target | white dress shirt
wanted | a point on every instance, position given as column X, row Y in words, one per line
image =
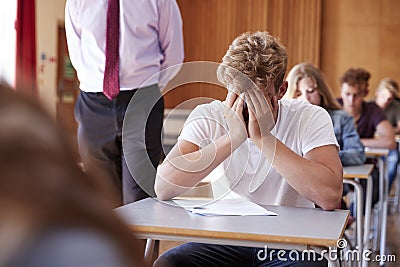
column 150, row 41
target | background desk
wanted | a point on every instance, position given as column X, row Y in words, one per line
column 381, row 154
column 350, row 175
column 293, row 228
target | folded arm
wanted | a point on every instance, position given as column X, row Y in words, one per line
column 383, row 138
column 318, row 175
column 187, row 164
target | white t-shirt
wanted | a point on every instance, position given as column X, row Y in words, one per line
column 300, row 126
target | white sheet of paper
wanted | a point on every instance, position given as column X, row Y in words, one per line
column 225, row 207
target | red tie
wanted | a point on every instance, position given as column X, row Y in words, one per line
column 111, row 71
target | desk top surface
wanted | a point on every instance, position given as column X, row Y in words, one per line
column 376, row 151
column 306, row 226
column 358, row 171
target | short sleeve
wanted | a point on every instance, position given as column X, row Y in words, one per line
column 318, row 131
column 204, row 124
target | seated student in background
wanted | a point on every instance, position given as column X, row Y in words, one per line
column 307, row 83
column 52, row 214
column 386, row 98
column 285, row 155
column 372, row 126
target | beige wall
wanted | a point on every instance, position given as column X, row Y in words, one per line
column 209, row 26
column 360, row 33
column 353, row 33
column 333, row 34
column 49, row 13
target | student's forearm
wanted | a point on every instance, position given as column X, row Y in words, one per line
column 379, row 142
column 312, row 179
column 178, row 174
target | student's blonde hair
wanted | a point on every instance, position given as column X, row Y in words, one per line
column 259, row 56
column 390, row 85
column 303, row 70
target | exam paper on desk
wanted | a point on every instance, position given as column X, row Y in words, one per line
column 225, row 207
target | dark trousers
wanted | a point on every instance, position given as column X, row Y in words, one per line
column 209, row 255
column 122, row 139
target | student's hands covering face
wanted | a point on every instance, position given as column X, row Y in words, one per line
column 263, row 109
column 234, row 118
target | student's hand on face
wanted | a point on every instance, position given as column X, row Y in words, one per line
column 230, row 98
column 263, row 108
column 234, row 118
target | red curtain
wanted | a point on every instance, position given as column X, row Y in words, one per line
column 26, row 47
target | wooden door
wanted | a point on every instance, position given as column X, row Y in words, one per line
column 67, row 89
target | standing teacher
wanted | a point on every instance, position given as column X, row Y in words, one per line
column 118, row 48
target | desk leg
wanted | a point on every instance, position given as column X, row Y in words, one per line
column 382, row 177
column 384, row 199
column 148, row 253
column 358, row 191
column 379, row 216
column 367, row 218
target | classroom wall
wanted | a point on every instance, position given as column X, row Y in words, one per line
column 360, row 33
column 333, row 34
column 49, row 13
column 209, row 27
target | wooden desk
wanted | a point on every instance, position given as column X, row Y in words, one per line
column 293, row 228
column 350, row 176
column 381, row 154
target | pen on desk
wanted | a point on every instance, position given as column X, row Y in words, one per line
column 199, row 208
